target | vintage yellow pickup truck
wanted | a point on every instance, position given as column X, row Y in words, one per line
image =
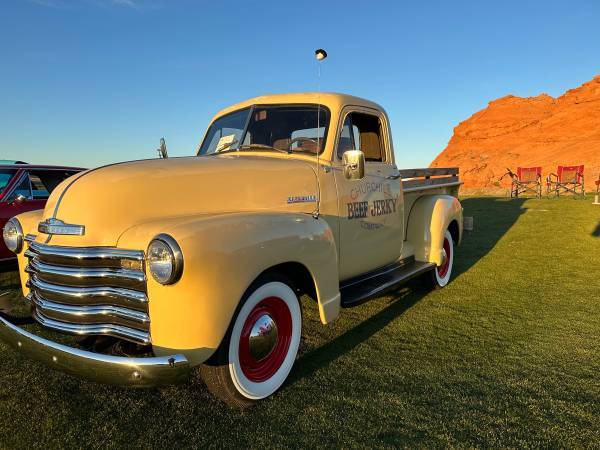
column 161, row 266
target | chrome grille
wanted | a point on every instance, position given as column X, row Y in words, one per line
column 89, row 290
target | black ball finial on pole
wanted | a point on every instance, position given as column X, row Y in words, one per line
column 320, row 54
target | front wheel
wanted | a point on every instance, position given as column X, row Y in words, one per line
column 440, row 276
column 260, row 347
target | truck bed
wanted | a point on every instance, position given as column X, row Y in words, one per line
column 419, row 182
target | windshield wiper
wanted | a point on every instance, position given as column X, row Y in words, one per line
column 224, row 149
column 262, row 147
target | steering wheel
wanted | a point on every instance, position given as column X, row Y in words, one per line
column 301, row 139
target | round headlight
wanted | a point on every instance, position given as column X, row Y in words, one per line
column 13, row 235
column 165, row 260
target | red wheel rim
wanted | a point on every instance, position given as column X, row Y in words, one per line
column 443, row 269
column 263, row 369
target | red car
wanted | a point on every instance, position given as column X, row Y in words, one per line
column 26, row 187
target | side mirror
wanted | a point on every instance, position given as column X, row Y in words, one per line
column 354, row 164
column 20, row 198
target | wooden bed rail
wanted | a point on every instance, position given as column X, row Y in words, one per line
column 413, row 179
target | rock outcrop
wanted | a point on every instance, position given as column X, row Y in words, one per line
column 535, row 131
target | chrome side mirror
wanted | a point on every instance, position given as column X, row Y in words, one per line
column 20, row 198
column 354, row 164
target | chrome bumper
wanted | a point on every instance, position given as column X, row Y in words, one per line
column 137, row 372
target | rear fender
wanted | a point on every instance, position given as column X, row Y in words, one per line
column 430, row 217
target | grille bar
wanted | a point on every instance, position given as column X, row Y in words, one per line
column 87, row 276
column 106, row 329
column 90, row 295
column 90, row 314
column 87, row 254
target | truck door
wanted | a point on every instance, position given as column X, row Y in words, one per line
column 370, row 209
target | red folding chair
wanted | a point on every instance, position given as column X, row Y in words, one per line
column 568, row 179
column 527, row 179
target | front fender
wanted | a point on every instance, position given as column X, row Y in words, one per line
column 429, row 218
column 223, row 255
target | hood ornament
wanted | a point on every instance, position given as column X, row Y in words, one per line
column 162, row 150
column 57, row 226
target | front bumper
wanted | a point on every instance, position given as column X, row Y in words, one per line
column 135, row 372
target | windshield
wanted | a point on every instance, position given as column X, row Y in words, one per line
column 5, row 176
column 284, row 128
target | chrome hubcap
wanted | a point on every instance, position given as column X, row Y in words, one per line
column 444, row 257
column 263, row 337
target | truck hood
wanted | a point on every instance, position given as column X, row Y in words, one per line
column 111, row 199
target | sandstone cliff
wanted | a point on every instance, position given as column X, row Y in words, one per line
column 535, row 131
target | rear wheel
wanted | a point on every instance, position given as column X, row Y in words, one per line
column 440, row 276
column 260, row 347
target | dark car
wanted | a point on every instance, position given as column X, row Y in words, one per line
column 26, row 187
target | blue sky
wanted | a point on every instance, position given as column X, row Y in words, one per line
column 88, row 82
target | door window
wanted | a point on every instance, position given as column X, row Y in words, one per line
column 362, row 132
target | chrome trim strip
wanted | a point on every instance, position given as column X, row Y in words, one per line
column 130, row 334
column 76, row 295
column 89, row 311
column 140, row 372
column 85, row 253
column 89, row 276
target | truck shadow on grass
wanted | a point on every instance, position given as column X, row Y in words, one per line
column 596, row 232
column 493, row 217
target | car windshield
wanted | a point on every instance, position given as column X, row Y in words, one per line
column 5, row 177
column 282, row 128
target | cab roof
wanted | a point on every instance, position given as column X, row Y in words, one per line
column 332, row 100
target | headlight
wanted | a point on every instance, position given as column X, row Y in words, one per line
column 13, row 235
column 165, row 260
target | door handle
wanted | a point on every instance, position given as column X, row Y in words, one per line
column 394, row 176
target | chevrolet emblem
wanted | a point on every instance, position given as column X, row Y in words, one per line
column 56, row 226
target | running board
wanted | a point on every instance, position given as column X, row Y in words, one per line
column 364, row 287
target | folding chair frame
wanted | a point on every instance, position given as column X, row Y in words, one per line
column 519, row 187
column 556, row 185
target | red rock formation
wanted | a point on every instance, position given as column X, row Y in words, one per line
column 535, row 131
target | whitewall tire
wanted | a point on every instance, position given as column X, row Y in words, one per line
column 441, row 274
column 260, row 347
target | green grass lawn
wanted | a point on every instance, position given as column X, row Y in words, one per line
column 507, row 355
